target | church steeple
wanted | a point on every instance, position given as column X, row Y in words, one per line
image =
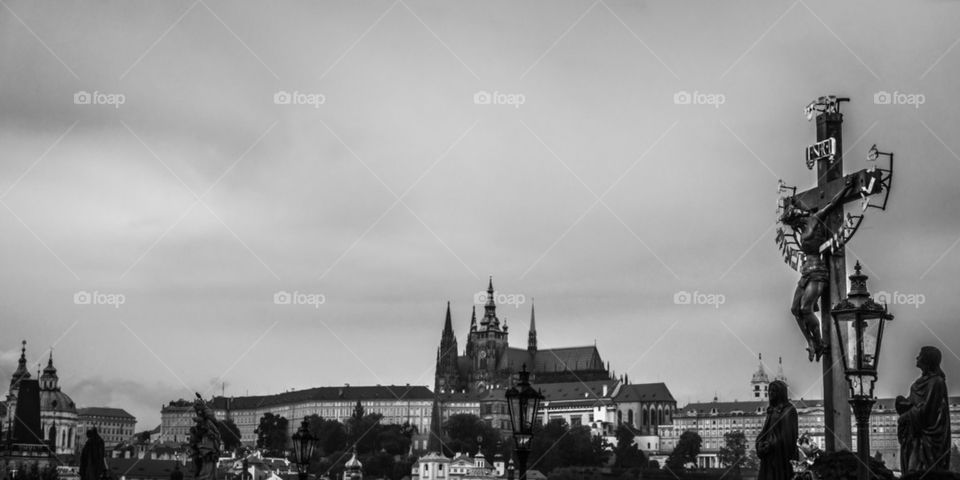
column 780, row 375
column 532, row 336
column 760, row 381
column 473, row 320
column 49, row 380
column 21, row 373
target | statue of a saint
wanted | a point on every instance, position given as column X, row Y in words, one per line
column 924, row 425
column 777, row 442
column 814, row 274
column 204, row 441
column 93, row 457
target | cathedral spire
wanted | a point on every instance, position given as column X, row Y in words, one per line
column 473, row 320
column 448, row 323
column 532, row 336
column 490, row 320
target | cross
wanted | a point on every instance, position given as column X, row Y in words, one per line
column 825, row 204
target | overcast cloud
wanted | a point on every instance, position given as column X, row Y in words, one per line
column 198, row 198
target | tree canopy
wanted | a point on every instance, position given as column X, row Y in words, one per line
column 272, row 434
column 686, row 451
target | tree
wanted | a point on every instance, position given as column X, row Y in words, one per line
column 272, row 434
column 733, row 454
column 393, row 440
column 628, row 454
column 686, row 451
column 579, row 448
column 462, row 431
column 229, row 435
column 331, row 434
column 363, row 431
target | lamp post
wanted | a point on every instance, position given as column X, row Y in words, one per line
column 523, row 403
column 304, row 445
column 858, row 321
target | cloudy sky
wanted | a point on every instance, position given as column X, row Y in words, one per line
column 194, row 159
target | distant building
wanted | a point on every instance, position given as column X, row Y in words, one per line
column 115, row 425
column 58, row 413
column 711, row 420
column 475, row 382
column 399, row 404
column 434, row 466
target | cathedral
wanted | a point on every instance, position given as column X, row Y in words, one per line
column 58, row 413
column 488, row 362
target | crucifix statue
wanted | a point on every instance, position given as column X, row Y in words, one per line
column 814, row 275
column 814, row 231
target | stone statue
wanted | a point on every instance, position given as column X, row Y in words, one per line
column 777, row 442
column 204, row 441
column 814, row 274
column 923, row 428
column 93, row 457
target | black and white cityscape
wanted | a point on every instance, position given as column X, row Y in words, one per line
column 422, row 240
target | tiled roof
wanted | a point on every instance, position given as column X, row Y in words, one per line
column 749, row 408
column 105, row 412
column 590, row 391
column 644, row 392
column 145, row 468
column 556, row 359
column 350, row 393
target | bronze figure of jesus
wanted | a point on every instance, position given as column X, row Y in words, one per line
column 814, row 274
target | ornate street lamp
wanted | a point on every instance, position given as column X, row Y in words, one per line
column 304, row 444
column 523, row 403
column 858, row 321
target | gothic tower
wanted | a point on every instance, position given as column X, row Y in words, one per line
column 487, row 347
column 447, row 374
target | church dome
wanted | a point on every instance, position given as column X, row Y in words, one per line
column 56, row 401
column 353, row 463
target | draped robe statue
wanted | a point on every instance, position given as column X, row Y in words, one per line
column 204, row 442
column 923, row 428
column 777, row 442
column 92, row 457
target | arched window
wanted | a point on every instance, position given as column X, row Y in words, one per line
column 630, row 417
column 52, row 437
column 619, row 417
column 646, row 416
